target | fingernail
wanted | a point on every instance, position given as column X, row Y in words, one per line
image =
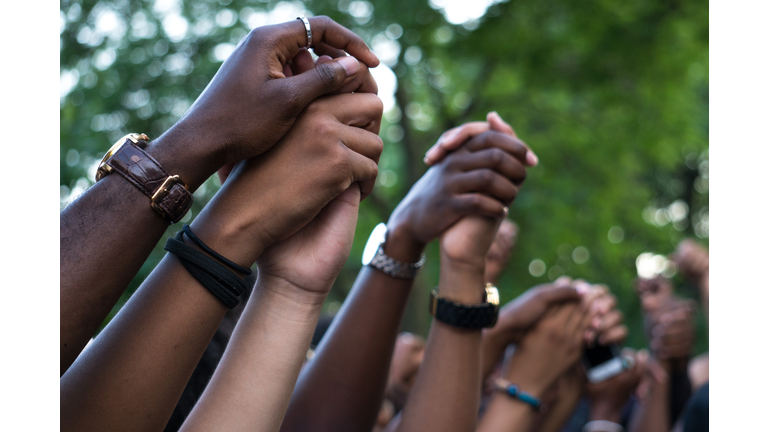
column 428, row 157
column 351, row 65
column 531, row 159
column 506, row 211
column 581, row 289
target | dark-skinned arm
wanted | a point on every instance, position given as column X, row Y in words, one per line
column 446, row 394
column 132, row 375
column 107, row 233
column 342, row 386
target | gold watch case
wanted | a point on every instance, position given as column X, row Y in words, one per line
column 492, row 294
column 105, row 169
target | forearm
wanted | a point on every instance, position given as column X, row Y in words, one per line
column 342, row 386
column 446, row 394
column 492, row 346
column 505, row 414
column 105, row 236
column 556, row 417
column 252, row 385
column 651, row 413
column 132, row 375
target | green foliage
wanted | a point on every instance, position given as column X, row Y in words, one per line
column 612, row 96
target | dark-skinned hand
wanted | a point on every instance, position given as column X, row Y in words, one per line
column 480, row 178
column 552, row 347
column 453, row 138
column 521, row 314
column 332, row 145
column 251, row 103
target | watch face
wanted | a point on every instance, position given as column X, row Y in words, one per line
column 377, row 237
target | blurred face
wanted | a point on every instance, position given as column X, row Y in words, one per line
column 406, row 359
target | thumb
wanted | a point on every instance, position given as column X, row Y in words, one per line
column 339, row 219
column 323, row 79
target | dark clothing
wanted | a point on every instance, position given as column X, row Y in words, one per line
column 696, row 415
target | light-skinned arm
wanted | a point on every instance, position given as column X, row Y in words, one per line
column 248, row 107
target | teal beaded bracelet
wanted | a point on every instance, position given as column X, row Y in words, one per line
column 514, row 392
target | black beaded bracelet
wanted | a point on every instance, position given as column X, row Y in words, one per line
column 219, row 280
column 203, row 246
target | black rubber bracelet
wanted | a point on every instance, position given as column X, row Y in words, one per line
column 203, row 246
column 219, row 280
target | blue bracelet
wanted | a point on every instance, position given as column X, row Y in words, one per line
column 514, row 392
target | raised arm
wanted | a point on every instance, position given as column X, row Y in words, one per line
column 132, row 375
column 253, row 383
column 446, row 395
column 107, row 233
column 342, row 386
column 544, row 353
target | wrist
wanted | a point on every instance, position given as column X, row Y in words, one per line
column 226, row 236
column 461, row 285
column 288, row 295
column 522, row 379
column 188, row 154
column 401, row 244
column 605, row 410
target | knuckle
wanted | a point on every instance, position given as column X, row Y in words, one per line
column 511, row 193
column 325, row 129
column 474, row 203
column 523, row 175
column 325, row 75
column 496, row 157
column 325, row 21
column 378, row 104
column 486, row 178
column 373, row 170
column 378, row 146
column 257, row 35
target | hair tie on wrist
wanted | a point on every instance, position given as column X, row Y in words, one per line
column 514, row 392
column 203, row 246
column 219, row 280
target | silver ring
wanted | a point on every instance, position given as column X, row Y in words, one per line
column 308, row 28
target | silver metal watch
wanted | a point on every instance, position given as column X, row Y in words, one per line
column 374, row 256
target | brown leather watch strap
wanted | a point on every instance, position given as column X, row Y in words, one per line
column 168, row 195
